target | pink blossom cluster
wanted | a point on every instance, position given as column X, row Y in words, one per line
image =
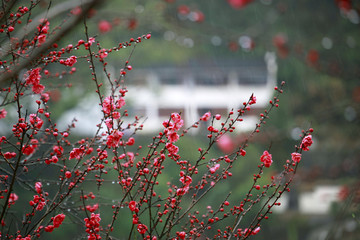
column 266, row 158
column 129, row 156
column 296, row 157
column 36, row 121
column 172, row 126
column 92, row 208
column 205, row 117
column 247, row 232
column 214, row 168
column 34, row 80
column 76, row 153
column 104, row 26
column 13, row 198
column 58, row 150
column 43, row 29
column 306, row 143
column 3, row 113
column 20, row 127
column 69, row 61
column 173, row 150
column 30, row 148
column 86, row 44
column 103, row 53
column 132, row 206
column 126, row 182
column 53, row 159
column 142, row 228
column 57, row 221
column 252, row 100
column 9, row 155
column 19, row 237
column 113, row 139
column 186, row 181
column 109, row 106
column 38, row 187
column 38, row 202
column 92, row 225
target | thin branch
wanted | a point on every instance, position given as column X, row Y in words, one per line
column 66, row 29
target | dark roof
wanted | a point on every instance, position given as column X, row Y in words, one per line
column 211, row 71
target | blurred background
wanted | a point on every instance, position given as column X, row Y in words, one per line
column 212, row 55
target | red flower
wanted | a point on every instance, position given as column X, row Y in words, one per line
column 198, row 16
column 36, row 121
column 132, row 24
column 142, row 228
column 225, row 143
column 103, row 53
column 130, row 141
column 173, row 150
column 30, row 149
column 76, row 11
column 41, row 38
column 3, row 113
column 242, row 152
column 182, row 235
column 266, row 158
column 237, row 4
column 182, row 191
column 69, row 61
column 183, row 10
column 114, row 138
column 92, row 208
column 58, row 150
column 279, row 42
column 58, row 219
column 253, row 100
column 93, row 226
column 38, row 201
column 9, row 155
column 306, row 143
column 132, row 206
column 33, row 79
column 186, row 180
column 172, row 137
column 344, row 5
column 34, row 76
column 68, row 174
column 108, row 105
column 206, row 117
column 247, row 231
column 38, row 88
column 104, row 26
column 13, row 198
column 76, row 153
column 214, row 168
column 49, row 228
column 312, row 57
column 296, row 157
column 38, row 187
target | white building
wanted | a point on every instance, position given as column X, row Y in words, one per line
column 199, row 87
column 319, row 200
column 192, row 89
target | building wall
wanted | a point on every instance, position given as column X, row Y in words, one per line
column 156, row 93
